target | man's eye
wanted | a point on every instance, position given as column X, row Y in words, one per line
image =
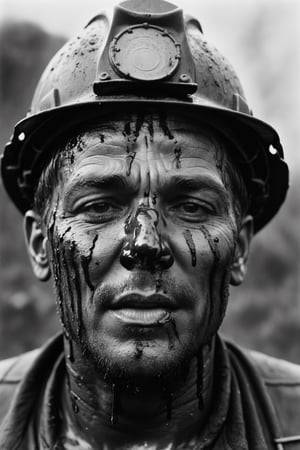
column 100, row 208
column 191, row 207
column 191, row 211
column 100, row 211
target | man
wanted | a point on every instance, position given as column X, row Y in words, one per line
column 142, row 176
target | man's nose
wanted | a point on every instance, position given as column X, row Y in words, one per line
column 145, row 248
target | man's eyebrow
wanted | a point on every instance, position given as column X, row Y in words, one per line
column 195, row 183
column 112, row 182
column 180, row 185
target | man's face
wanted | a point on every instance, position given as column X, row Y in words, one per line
column 142, row 235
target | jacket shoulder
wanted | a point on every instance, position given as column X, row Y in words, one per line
column 276, row 371
column 12, row 372
column 282, row 380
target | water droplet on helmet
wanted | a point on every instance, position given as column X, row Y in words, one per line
column 21, row 137
column 272, row 150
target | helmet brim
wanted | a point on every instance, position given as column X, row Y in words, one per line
column 24, row 156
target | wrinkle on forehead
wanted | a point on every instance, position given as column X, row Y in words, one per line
column 156, row 156
column 153, row 159
column 192, row 146
column 108, row 147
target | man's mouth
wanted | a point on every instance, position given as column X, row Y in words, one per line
column 143, row 310
column 143, row 317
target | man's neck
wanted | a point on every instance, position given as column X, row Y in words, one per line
column 102, row 414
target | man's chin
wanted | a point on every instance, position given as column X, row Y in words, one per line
column 139, row 362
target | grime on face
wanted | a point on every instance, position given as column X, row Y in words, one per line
column 142, row 233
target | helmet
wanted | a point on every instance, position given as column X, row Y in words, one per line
column 149, row 56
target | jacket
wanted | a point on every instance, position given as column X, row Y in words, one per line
column 271, row 382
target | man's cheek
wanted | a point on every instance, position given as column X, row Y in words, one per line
column 221, row 246
column 71, row 260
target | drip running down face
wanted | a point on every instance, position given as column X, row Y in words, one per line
column 143, row 231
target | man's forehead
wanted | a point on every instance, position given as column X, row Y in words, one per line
column 174, row 134
column 171, row 149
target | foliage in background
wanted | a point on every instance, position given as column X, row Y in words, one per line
column 26, row 307
column 263, row 313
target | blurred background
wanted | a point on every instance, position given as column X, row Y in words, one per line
column 261, row 38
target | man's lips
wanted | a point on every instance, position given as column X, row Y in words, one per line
column 142, row 317
column 135, row 300
column 144, row 310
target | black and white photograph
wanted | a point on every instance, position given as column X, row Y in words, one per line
column 150, row 225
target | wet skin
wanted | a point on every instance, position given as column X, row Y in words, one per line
column 142, row 240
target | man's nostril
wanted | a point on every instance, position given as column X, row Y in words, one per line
column 126, row 258
column 166, row 261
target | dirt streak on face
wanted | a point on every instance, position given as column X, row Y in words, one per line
column 66, row 263
column 56, row 270
column 191, row 245
column 85, row 263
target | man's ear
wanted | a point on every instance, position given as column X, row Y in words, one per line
column 36, row 243
column 239, row 264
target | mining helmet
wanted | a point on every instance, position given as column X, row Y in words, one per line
column 149, row 56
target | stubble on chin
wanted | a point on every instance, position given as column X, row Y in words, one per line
column 137, row 370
